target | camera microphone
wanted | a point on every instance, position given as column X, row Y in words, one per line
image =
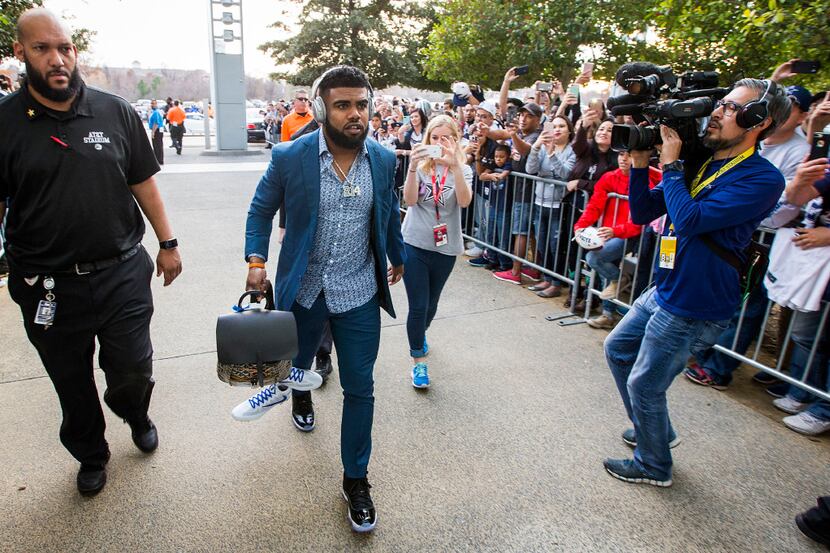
column 625, row 100
column 628, row 109
column 635, row 69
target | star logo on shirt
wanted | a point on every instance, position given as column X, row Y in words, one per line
column 30, row 113
column 430, row 195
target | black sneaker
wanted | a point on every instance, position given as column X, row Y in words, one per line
column 361, row 508
column 302, row 411
column 92, row 477
column 778, row 390
column 323, row 366
column 145, row 435
column 480, row 261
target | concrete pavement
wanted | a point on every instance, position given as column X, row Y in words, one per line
column 503, row 453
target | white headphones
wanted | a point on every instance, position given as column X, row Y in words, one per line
column 318, row 106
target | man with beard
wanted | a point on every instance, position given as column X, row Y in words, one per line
column 78, row 173
column 710, row 222
column 341, row 225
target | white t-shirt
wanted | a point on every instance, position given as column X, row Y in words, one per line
column 787, row 155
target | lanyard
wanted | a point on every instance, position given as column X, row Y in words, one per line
column 437, row 190
column 698, row 186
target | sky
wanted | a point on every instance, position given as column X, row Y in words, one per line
column 171, row 34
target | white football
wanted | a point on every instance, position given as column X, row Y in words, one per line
column 589, row 239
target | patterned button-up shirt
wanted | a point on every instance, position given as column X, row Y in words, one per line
column 341, row 264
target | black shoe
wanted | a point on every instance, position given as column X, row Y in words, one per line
column 323, row 366
column 803, row 521
column 178, row 152
column 302, row 411
column 361, row 508
column 92, row 477
column 145, row 435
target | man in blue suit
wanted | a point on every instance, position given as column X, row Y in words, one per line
column 342, row 224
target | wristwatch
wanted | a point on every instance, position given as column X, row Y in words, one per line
column 169, row 244
column 673, row 166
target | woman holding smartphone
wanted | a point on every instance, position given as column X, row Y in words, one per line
column 551, row 156
column 438, row 185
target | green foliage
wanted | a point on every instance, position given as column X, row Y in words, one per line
column 379, row 36
column 749, row 39
column 477, row 40
column 10, row 10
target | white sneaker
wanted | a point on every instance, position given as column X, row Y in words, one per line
column 789, row 405
column 807, row 423
column 475, row 251
column 260, row 403
column 302, row 380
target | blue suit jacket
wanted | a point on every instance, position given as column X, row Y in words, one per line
column 293, row 178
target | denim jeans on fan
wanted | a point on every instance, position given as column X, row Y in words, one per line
column 498, row 230
column 425, row 273
column 645, row 352
column 606, row 262
column 805, row 326
column 721, row 365
column 546, row 221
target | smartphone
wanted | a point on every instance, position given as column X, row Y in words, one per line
column 821, row 145
column 596, row 104
column 433, row 150
column 522, row 70
column 544, row 87
column 805, row 66
column 406, row 120
column 574, row 89
column 588, row 67
column 548, row 127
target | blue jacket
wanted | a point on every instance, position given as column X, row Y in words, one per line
column 293, row 178
column 702, row 285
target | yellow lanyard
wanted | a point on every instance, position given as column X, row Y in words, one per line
column 698, row 186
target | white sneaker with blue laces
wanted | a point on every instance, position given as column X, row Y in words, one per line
column 302, row 380
column 261, row 402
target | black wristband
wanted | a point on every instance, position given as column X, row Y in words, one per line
column 169, row 244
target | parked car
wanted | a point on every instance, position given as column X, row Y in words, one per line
column 195, row 124
column 254, row 123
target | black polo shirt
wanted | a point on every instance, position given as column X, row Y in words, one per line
column 66, row 178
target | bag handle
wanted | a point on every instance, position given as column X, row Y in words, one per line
column 255, row 294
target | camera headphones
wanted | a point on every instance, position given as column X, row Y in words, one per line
column 318, row 106
column 755, row 112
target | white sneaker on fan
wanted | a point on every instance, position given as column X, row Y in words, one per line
column 261, row 402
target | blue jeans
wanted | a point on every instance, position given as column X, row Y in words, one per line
column 424, row 276
column 498, row 231
column 645, row 352
column 606, row 262
column 720, row 365
column 805, row 326
column 547, row 222
column 521, row 217
column 356, row 336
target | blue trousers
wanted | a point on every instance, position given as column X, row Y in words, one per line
column 425, row 273
column 645, row 352
column 356, row 336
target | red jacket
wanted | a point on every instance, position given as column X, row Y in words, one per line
column 615, row 217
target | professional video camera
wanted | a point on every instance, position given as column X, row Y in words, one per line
column 657, row 97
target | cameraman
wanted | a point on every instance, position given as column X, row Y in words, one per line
column 696, row 291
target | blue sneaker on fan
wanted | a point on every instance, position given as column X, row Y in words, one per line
column 420, row 375
column 260, row 403
column 627, row 471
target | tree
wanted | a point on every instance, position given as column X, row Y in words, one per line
column 747, row 40
column 477, row 40
column 379, row 36
column 10, row 10
column 142, row 88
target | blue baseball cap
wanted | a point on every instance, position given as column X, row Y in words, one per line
column 801, row 96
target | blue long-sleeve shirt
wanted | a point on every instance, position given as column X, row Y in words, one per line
column 702, row 285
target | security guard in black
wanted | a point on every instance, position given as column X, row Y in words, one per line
column 76, row 173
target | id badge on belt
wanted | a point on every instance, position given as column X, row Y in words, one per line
column 45, row 314
column 439, row 233
column 668, row 251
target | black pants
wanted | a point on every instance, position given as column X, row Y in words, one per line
column 158, row 146
column 325, row 342
column 115, row 305
column 176, row 134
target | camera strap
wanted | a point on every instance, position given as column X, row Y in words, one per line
column 697, row 186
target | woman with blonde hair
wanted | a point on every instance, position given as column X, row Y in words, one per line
column 438, row 185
